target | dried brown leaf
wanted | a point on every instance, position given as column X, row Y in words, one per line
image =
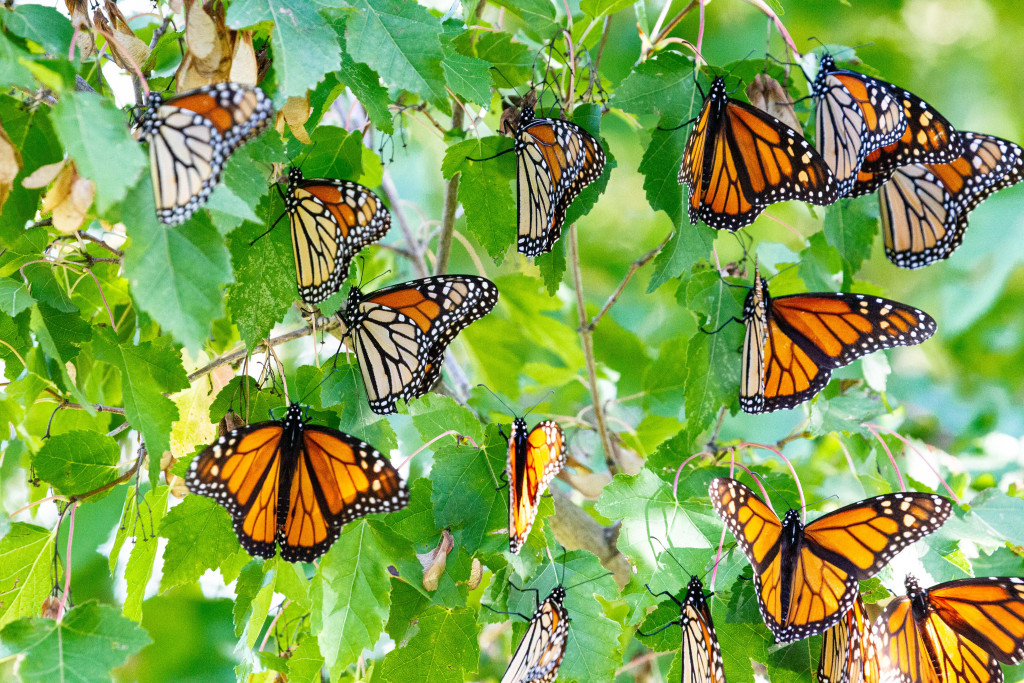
column 765, row 93
column 294, row 114
column 10, row 165
column 243, row 60
column 435, row 561
column 69, row 199
column 44, row 175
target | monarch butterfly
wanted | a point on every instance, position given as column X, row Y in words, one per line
column 542, row 648
column 400, row 333
column 738, row 160
column 924, row 207
column 555, row 160
column 806, row 576
column 928, row 139
column 294, row 484
column 331, row 220
column 793, row 342
column 847, row 651
column 955, row 632
column 701, row 653
column 534, row 458
column 191, row 136
column 854, row 115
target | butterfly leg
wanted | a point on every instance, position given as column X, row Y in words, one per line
column 536, row 592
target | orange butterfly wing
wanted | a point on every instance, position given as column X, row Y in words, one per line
column 739, row 159
column 928, row 139
column 533, row 461
column 540, row 652
column 955, row 632
column 806, row 336
column 843, row 648
column 298, row 497
column 338, row 478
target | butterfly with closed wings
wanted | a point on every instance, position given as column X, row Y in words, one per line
column 793, row 342
column 738, row 160
column 854, row 115
column 191, row 135
column 805, row 575
column 701, row 654
column 399, row 334
column 955, row 632
column 291, row 483
column 848, row 654
column 331, row 220
column 924, row 207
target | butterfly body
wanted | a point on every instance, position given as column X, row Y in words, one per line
column 793, row 343
column 738, row 160
column 331, row 220
column 954, row 632
column 191, row 135
column 555, row 160
column 290, row 483
column 399, row 334
column 542, row 648
column 806, row 575
column 534, row 458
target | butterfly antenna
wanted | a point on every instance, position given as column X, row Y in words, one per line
column 782, row 495
column 590, row 580
column 509, row 409
column 510, row 84
column 542, row 398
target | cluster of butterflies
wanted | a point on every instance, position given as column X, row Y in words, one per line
column 869, row 135
column 806, row 582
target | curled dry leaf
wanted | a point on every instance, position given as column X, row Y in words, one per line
column 294, row 114
column 128, row 52
column 84, row 39
column 476, row 573
column 243, row 60
column 208, row 59
column 436, row 560
column 10, row 165
column 765, row 93
column 68, row 199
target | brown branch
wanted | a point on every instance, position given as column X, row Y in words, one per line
column 418, row 261
column 587, row 339
column 451, row 204
column 636, row 265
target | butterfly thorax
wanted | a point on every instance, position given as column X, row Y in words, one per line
column 349, row 313
column 291, row 445
column 148, row 120
column 756, row 303
column 826, row 66
column 695, row 594
column 557, row 595
column 518, row 442
column 918, row 598
column 295, row 177
column 790, row 541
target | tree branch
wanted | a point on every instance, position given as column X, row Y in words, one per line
column 636, row 265
column 451, row 204
column 587, row 339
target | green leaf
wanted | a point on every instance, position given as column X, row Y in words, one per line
column 344, row 392
column 819, row 263
column 77, row 462
column 305, row 661
column 465, row 494
column 662, row 86
column 26, row 571
column 142, row 558
column 538, row 16
column 484, row 190
column 511, row 60
column 199, row 537
column 90, row 641
column 1000, row 515
column 352, row 594
column 552, row 267
column 303, row 44
column 255, row 590
column 14, row 65
column 264, row 287
column 844, row 414
column 400, row 41
column 850, row 227
column 43, row 25
column 364, row 83
column 444, row 649
column 596, row 9
column 94, row 134
column 148, row 370
column 60, row 334
column 468, row 77
column 176, row 273
column 435, row 414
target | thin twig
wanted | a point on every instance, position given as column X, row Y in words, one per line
column 792, row 470
column 763, row 6
column 635, row 266
column 451, row 204
column 587, row 339
column 403, row 224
